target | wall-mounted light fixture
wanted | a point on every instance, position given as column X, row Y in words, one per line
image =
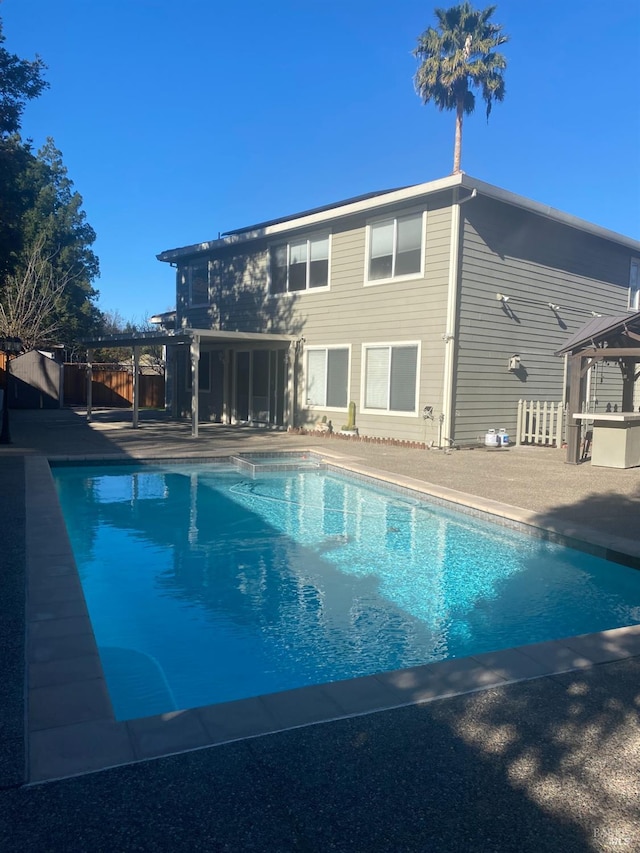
column 501, row 297
column 554, row 307
column 595, row 314
column 514, row 362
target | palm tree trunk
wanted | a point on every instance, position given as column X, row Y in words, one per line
column 457, row 148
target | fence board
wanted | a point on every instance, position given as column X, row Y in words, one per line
column 111, row 388
column 540, row 423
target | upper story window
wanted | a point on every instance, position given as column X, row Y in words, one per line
column 300, row 265
column 197, row 281
column 395, row 248
column 634, row 284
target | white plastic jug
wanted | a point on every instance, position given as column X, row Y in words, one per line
column 492, row 439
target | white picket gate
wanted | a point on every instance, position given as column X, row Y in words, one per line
column 540, row 423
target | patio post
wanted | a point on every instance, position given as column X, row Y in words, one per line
column 136, row 386
column 89, row 382
column 574, row 426
column 291, row 372
column 627, row 367
column 226, row 395
column 195, row 359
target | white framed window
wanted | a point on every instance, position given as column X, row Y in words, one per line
column 634, row 284
column 395, row 248
column 196, row 279
column 300, row 265
column 204, row 372
column 390, row 383
column 327, row 377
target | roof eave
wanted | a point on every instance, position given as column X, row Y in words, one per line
column 320, row 217
column 379, row 202
column 549, row 212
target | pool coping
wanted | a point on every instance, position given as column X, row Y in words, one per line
column 70, row 725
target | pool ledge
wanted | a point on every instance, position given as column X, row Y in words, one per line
column 70, row 725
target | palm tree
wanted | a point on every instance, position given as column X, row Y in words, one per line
column 456, row 56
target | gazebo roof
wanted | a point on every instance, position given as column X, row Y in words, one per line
column 619, row 331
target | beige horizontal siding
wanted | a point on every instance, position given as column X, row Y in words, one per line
column 352, row 313
column 533, row 261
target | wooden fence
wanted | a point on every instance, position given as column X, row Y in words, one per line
column 541, row 423
column 111, row 387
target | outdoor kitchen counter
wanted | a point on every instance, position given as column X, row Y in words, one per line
column 616, row 438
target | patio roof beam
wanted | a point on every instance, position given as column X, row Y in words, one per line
column 610, row 353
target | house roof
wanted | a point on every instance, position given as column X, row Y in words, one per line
column 599, row 330
column 371, row 202
column 364, row 197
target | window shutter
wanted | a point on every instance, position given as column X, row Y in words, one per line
column 316, row 377
column 278, row 269
column 404, row 366
column 298, row 266
column 377, row 378
column 409, row 245
column 337, row 377
column 381, row 260
column 319, row 262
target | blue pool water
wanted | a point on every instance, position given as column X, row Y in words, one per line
column 205, row 585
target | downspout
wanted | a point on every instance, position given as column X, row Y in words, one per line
column 449, row 336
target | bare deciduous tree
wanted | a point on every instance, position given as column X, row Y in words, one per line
column 30, row 297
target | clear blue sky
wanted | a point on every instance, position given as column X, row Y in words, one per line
column 178, row 119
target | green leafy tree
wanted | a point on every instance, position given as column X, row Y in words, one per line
column 15, row 158
column 457, row 56
column 46, row 257
column 56, row 218
column 21, row 80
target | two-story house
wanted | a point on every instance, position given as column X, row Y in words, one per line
column 434, row 308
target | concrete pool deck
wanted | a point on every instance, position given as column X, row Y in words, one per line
column 71, row 730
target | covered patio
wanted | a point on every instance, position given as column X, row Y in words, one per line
column 616, row 433
column 234, row 377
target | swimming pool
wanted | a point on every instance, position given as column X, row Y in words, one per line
column 195, row 575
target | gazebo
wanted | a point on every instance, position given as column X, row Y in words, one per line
column 616, row 435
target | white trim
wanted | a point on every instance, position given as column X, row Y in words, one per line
column 363, row 378
column 326, row 347
column 414, row 276
column 448, row 390
column 309, row 237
